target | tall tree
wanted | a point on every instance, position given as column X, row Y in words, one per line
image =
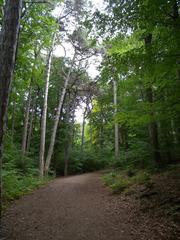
column 44, row 110
column 26, row 123
column 116, row 127
column 153, row 128
column 57, row 116
column 8, row 47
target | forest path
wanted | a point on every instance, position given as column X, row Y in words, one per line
column 73, row 208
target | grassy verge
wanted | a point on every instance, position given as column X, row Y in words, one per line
column 16, row 184
column 118, row 181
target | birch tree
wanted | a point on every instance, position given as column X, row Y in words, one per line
column 33, row 109
column 44, row 111
column 26, row 122
column 57, row 116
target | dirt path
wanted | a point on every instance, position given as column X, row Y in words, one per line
column 74, row 208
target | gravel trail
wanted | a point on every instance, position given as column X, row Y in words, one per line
column 73, row 208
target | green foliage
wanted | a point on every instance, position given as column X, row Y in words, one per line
column 120, row 180
column 82, row 162
column 16, row 184
column 147, row 77
column 18, row 178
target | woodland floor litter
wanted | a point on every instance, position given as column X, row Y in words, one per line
column 79, row 208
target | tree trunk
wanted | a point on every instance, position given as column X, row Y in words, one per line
column 68, row 140
column 31, row 124
column 44, row 111
column 91, row 134
column 69, row 145
column 82, row 133
column 116, row 128
column 13, row 121
column 153, row 128
column 26, row 122
column 8, row 41
column 53, row 136
column 175, row 10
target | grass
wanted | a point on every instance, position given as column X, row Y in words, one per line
column 16, row 184
column 118, row 181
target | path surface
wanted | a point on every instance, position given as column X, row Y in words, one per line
column 73, row 208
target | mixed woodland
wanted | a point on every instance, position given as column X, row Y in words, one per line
column 130, row 109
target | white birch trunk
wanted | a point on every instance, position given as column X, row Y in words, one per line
column 53, row 136
column 26, row 122
column 31, row 124
column 44, row 113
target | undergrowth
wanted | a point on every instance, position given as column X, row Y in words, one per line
column 18, row 180
column 118, row 181
column 16, row 184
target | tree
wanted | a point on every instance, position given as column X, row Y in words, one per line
column 8, row 46
column 57, row 116
column 44, row 110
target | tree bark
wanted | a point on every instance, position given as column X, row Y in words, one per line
column 69, row 145
column 44, row 111
column 82, row 133
column 31, row 124
column 13, row 121
column 8, row 46
column 153, row 128
column 58, row 113
column 68, row 138
column 116, row 127
column 91, row 134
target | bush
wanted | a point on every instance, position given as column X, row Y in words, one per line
column 120, row 180
column 16, row 184
column 120, row 185
column 141, row 178
column 17, row 179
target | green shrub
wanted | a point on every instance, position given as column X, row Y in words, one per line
column 120, row 185
column 109, row 178
column 120, row 180
column 141, row 178
column 16, row 184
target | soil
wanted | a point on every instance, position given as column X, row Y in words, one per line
column 81, row 208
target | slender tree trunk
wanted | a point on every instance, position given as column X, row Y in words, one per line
column 69, row 145
column 44, row 111
column 175, row 10
column 8, row 47
column 13, row 121
column 153, row 128
column 26, row 122
column 68, row 138
column 91, row 134
column 66, row 160
column 53, row 136
column 116, row 128
column 82, row 133
column 73, row 121
column 31, row 124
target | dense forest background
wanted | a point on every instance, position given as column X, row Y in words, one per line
column 131, row 109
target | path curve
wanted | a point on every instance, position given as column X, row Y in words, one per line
column 72, row 208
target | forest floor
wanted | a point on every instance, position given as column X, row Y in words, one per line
column 81, row 208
